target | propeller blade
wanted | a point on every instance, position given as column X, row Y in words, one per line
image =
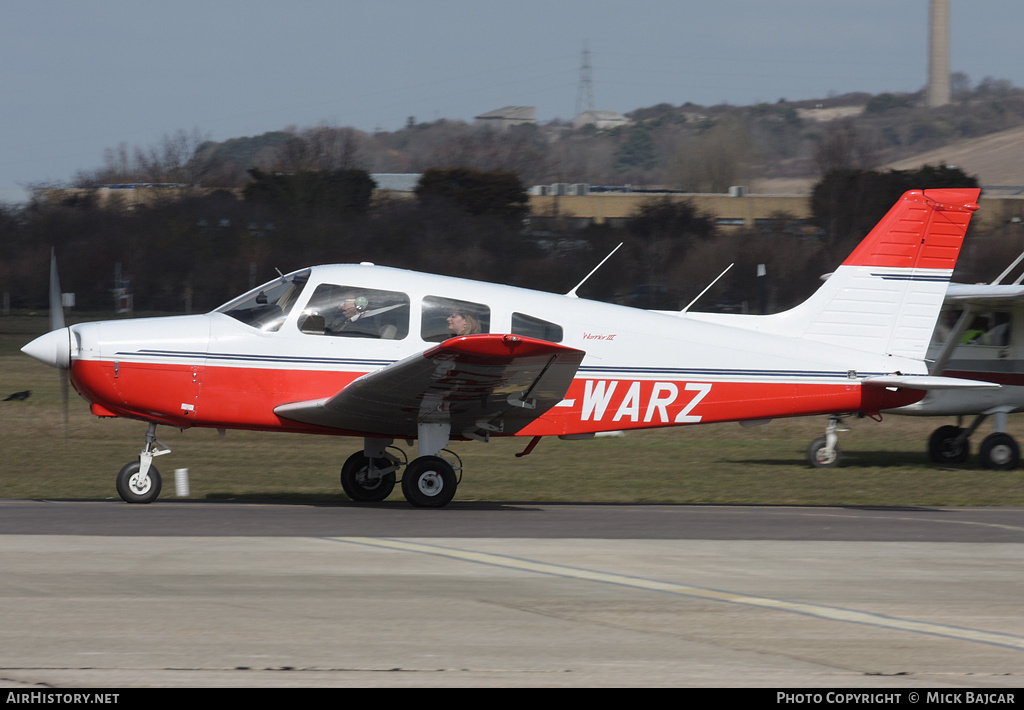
column 56, row 323
column 56, row 309
column 63, row 374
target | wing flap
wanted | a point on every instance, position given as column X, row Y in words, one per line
column 477, row 383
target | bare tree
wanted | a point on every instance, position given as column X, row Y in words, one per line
column 173, row 159
column 711, row 161
column 323, row 148
column 838, row 148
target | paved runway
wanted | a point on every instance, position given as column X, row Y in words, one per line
column 100, row 593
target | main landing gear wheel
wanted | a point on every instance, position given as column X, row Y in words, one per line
column 364, row 485
column 819, row 456
column 946, row 445
column 429, row 482
column 136, row 488
column 999, row 452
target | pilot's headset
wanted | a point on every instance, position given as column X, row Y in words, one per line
column 361, row 303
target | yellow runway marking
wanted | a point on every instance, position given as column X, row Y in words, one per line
column 815, row 610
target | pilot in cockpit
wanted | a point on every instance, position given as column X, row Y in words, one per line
column 354, row 321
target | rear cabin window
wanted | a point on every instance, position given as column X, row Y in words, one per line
column 355, row 312
column 444, row 318
column 531, row 327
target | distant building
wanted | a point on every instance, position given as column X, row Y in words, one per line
column 603, row 120
column 509, row 116
column 396, row 182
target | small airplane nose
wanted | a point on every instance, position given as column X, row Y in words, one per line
column 53, row 349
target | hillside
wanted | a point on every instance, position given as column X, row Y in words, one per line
column 997, row 159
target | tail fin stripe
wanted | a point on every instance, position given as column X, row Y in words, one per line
column 912, row 277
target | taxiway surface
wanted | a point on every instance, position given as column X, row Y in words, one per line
column 100, row 593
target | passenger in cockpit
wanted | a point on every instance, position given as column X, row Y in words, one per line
column 462, row 323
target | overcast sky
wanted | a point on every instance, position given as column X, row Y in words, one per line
column 79, row 76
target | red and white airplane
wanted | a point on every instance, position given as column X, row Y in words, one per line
column 386, row 354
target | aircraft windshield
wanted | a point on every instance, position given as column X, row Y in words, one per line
column 267, row 307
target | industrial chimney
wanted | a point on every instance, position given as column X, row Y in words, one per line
column 939, row 90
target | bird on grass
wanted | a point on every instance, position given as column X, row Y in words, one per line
column 19, row 396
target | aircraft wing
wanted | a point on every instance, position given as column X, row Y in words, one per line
column 477, row 383
column 983, row 295
column 926, row 382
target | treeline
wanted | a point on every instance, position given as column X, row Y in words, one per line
column 199, row 252
column 196, row 253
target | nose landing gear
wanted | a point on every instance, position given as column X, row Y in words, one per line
column 139, row 481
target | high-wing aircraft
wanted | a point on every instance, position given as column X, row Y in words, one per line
column 980, row 336
column 386, row 354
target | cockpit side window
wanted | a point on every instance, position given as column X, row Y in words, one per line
column 532, row 327
column 988, row 328
column 991, row 328
column 267, row 307
column 444, row 318
column 356, row 312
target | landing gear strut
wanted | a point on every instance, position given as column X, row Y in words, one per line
column 139, row 481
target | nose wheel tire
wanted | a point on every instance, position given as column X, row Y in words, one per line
column 133, row 487
column 363, row 486
column 429, row 482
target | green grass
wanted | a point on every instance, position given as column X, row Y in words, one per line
column 883, row 463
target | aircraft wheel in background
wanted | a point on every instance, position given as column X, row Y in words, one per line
column 429, row 482
column 819, row 457
column 359, row 486
column 944, row 445
column 134, row 488
column 999, row 452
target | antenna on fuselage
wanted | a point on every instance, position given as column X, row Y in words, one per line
column 706, row 288
column 572, row 294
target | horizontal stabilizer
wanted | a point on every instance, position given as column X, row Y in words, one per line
column 927, row 382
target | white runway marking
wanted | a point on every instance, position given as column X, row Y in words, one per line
column 815, row 610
